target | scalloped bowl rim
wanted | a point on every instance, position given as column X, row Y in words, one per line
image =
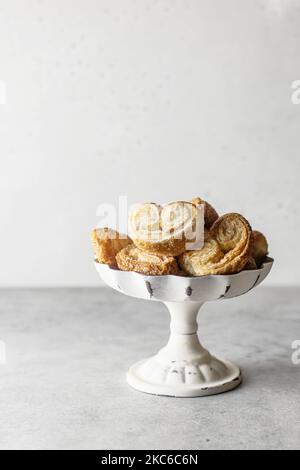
column 174, row 288
column 268, row 261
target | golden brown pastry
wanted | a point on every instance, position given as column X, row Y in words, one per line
column 146, row 218
column 232, row 231
column 107, row 243
column 204, row 261
column 164, row 230
column 226, row 249
column 259, row 246
column 210, row 214
column 132, row 258
column 234, row 235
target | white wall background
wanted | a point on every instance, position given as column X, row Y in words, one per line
column 156, row 100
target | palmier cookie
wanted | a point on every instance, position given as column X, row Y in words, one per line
column 259, row 246
column 132, row 258
column 210, row 214
column 234, row 235
column 107, row 243
column 204, row 261
column 164, row 230
column 225, row 251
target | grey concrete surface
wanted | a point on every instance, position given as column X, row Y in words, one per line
column 67, row 351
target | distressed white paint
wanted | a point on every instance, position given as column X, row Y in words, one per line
column 183, row 368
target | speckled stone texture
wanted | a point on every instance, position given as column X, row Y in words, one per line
column 63, row 385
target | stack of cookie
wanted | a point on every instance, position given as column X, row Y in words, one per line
column 162, row 241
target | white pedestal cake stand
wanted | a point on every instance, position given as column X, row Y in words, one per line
column 183, row 368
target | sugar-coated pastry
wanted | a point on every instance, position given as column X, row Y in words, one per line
column 146, row 218
column 234, row 235
column 107, row 243
column 164, row 230
column 226, row 249
column 204, row 261
column 259, row 246
column 181, row 238
column 132, row 258
column 210, row 214
column 232, row 231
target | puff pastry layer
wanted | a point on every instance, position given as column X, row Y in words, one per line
column 202, row 262
column 226, row 249
column 234, row 235
column 107, row 243
column 132, row 258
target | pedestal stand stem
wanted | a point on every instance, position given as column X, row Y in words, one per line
column 183, row 317
column 183, row 344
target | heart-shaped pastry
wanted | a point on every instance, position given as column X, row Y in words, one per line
column 168, row 230
column 226, row 249
column 201, row 262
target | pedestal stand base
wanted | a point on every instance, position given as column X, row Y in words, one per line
column 188, row 380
